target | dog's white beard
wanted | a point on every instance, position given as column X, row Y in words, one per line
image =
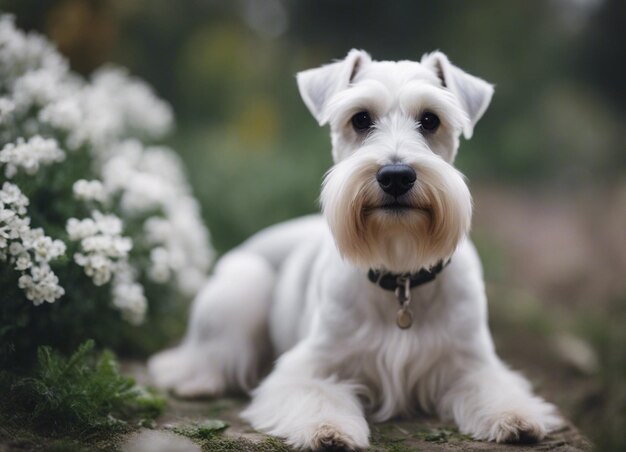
column 402, row 241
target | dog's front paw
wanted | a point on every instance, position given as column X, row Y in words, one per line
column 495, row 404
column 310, row 414
column 519, row 426
column 328, row 437
column 513, row 428
column 305, row 433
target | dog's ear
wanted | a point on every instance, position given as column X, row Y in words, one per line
column 474, row 93
column 318, row 85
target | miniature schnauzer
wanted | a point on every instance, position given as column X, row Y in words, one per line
column 376, row 308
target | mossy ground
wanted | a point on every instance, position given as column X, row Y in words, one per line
column 214, row 426
column 187, row 417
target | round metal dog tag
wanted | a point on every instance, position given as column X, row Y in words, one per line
column 404, row 319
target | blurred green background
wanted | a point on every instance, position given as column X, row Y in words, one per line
column 547, row 164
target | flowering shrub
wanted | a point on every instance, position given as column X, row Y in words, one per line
column 96, row 224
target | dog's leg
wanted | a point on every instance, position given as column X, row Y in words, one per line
column 227, row 337
column 490, row 402
column 310, row 410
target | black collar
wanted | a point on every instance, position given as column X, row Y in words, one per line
column 390, row 281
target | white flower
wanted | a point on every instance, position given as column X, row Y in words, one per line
column 157, row 229
column 29, row 237
column 130, row 299
column 29, row 155
column 128, row 294
column 151, row 179
column 13, row 196
column 41, row 285
column 6, row 109
column 20, row 53
column 159, row 270
column 16, row 248
column 107, row 224
column 108, row 245
column 97, row 266
column 138, row 108
column 79, row 229
column 101, row 245
column 23, row 262
column 12, row 226
column 28, row 249
column 47, row 249
column 89, row 190
column 111, row 107
column 64, row 113
column 36, row 89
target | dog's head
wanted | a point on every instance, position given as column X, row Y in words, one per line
column 393, row 199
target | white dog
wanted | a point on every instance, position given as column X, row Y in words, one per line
column 377, row 308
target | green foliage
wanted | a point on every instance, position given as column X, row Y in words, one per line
column 80, row 394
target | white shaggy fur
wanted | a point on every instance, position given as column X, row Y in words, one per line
column 299, row 289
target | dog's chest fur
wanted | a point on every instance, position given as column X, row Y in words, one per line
column 392, row 366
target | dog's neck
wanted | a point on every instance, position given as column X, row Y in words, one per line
column 401, row 284
column 391, row 281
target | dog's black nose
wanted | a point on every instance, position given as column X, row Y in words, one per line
column 396, row 179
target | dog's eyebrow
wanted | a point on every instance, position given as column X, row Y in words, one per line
column 416, row 97
column 370, row 95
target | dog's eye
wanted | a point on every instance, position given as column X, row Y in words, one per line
column 361, row 121
column 429, row 121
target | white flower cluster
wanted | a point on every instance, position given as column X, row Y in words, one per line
column 104, row 256
column 111, row 106
column 152, row 180
column 97, row 114
column 101, row 244
column 28, row 250
column 22, row 53
column 29, row 155
column 128, row 294
column 49, row 115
